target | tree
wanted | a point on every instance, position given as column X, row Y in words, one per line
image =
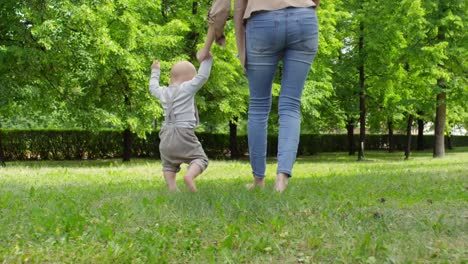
column 85, row 64
column 95, row 56
column 445, row 50
column 345, row 83
column 319, row 103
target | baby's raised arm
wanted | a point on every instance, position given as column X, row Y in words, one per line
column 202, row 76
column 154, row 80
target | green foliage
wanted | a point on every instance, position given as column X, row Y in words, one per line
column 402, row 57
column 225, row 96
column 85, row 64
column 319, row 111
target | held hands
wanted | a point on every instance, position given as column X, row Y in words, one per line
column 156, row 65
column 203, row 54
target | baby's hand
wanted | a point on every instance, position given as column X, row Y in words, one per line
column 203, row 54
column 156, row 65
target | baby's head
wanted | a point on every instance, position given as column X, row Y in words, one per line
column 182, row 71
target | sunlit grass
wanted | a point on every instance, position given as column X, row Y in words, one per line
column 335, row 210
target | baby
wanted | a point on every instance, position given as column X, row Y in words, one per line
column 178, row 142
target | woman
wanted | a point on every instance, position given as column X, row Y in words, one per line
column 267, row 32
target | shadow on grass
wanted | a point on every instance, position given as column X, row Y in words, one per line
column 326, row 157
column 105, row 163
column 404, row 179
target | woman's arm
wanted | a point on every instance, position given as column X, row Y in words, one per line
column 217, row 18
column 203, row 54
column 239, row 10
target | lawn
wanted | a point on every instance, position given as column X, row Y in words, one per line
column 335, row 210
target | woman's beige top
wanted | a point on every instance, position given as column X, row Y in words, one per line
column 243, row 9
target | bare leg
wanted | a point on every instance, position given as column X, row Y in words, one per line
column 170, row 178
column 281, row 182
column 189, row 178
column 258, row 182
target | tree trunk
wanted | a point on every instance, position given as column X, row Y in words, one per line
column 391, row 145
column 439, row 144
column 194, row 7
column 233, row 138
column 408, row 136
column 350, row 129
column 362, row 97
column 420, row 143
column 441, row 107
column 194, row 35
column 127, row 134
column 449, row 141
column 362, row 124
column 155, row 124
column 127, row 145
column 164, row 9
column 2, row 156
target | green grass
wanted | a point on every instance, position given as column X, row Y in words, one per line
column 336, row 210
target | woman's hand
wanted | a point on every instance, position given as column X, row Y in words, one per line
column 203, row 54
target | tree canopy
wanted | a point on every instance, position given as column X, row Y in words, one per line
column 85, row 64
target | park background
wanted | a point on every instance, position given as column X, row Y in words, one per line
column 384, row 68
column 74, row 105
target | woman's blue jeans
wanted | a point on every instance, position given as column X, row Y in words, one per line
column 290, row 35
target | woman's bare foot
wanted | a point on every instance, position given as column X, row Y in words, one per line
column 281, row 182
column 258, row 182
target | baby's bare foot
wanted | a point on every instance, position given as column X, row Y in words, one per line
column 174, row 189
column 190, row 183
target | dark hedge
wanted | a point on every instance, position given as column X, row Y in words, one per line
column 79, row 144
